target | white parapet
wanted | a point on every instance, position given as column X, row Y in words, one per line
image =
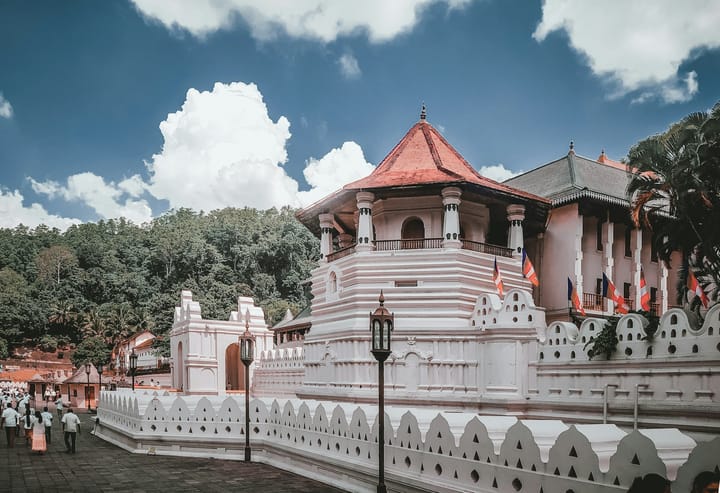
column 425, row 450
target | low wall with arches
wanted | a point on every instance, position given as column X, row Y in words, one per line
column 279, row 372
column 676, row 365
column 425, row 450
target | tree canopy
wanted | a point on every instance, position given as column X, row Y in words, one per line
column 105, row 281
column 675, row 189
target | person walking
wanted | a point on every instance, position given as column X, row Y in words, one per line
column 38, row 434
column 28, row 421
column 9, row 421
column 71, row 427
column 59, row 406
column 47, row 418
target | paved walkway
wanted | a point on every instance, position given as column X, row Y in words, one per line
column 98, row 466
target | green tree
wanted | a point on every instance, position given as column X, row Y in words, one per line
column 677, row 174
column 93, row 350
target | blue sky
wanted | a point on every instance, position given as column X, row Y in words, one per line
column 129, row 108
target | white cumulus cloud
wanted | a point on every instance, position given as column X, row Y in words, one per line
column 349, row 66
column 13, row 213
column 498, row 172
column 337, row 168
column 637, row 46
column 222, row 149
column 106, row 198
column 6, row 109
column 323, row 20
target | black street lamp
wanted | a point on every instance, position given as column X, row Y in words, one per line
column 381, row 327
column 133, row 367
column 247, row 350
column 87, row 389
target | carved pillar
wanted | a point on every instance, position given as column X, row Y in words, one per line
column 451, row 218
column 515, row 215
column 365, row 237
column 326, row 227
column 636, row 246
column 608, row 260
column 579, row 256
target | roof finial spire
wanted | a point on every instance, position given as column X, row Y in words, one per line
column 423, row 112
column 572, row 146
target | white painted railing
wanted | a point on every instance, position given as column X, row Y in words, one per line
column 425, row 451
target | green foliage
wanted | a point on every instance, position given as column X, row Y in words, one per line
column 4, row 350
column 606, row 341
column 93, row 350
column 48, row 343
column 108, row 280
column 678, row 173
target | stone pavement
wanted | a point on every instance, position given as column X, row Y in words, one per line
column 99, row 466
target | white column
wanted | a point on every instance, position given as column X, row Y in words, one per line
column 608, row 231
column 451, row 218
column 326, row 225
column 663, row 287
column 365, row 235
column 636, row 245
column 515, row 215
column 579, row 256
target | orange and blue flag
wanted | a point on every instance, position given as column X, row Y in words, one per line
column 497, row 279
column 574, row 298
column 528, row 270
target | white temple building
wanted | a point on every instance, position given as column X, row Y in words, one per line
column 485, row 391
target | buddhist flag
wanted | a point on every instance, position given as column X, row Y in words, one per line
column 644, row 294
column 611, row 293
column 573, row 296
column 528, row 270
column 695, row 287
column 497, row 279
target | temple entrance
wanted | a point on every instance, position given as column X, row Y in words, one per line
column 234, row 369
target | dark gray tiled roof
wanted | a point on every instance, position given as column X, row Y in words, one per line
column 572, row 177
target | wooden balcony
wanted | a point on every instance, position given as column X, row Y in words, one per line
column 592, row 301
column 423, row 244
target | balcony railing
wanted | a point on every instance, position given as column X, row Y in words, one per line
column 476, row 246
column 423, row 244
column 595, row 302
column 592, row 301
column 418, row 244
column 343, row 252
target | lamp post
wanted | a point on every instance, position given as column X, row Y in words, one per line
column 247, row 349
column 100, row 371
column 381, row 327
column 87, row 389
column 133, row 367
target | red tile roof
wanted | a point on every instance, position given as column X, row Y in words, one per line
column 609, row 162
column 423, row 156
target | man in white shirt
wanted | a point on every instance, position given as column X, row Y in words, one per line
column 59, row 406
column 47, row 421
column 71, row 427
column 10, row 421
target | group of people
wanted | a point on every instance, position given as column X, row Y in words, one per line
column 705, row 482
column 37, row 426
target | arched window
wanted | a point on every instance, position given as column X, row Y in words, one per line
column 332, row 283
column 413, row 233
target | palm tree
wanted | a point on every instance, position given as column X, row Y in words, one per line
column 675, row 188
